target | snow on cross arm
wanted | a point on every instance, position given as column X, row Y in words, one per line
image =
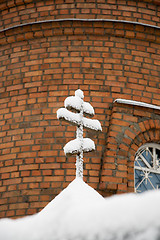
column 66, row 115
column 88, row 109
column 74, row 146
column 74, row 118
column 92, row 124
column 73, row 102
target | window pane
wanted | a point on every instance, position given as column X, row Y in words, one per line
column 147, row 169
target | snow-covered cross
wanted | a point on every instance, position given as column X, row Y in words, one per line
column 79, row 145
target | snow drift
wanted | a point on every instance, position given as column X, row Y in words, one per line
column 79, row 212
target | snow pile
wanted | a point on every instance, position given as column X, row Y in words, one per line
column 73, row 147
column 79, row 212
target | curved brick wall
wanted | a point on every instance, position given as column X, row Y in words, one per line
column 40, row 65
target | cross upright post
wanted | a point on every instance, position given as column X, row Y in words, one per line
column 79, row 145
column 79, row 135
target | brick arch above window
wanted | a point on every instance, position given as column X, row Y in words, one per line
column 130, row 127
column 142, row 132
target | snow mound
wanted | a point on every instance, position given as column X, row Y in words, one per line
column 74, row 146
column 80, row 213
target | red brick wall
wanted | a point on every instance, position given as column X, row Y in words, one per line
column 41, row 64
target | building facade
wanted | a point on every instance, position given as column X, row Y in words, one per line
column 108, row 48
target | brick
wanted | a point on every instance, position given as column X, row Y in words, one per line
column 9, row 169
column 28, row 167
column 19, row 206
column 122, row 187
column 50, row 166
column 47, row 172
column 25, row 173
column 12, row 181
column 15, row 87
column 33, row 130
column 33, row 73
column 32, row 179
column 24, row 142
column 5, row 175
column 142, row 127
column 15, row 132
column 54, row 178
column 121, row 174
column 6, row 145
column 112, row 179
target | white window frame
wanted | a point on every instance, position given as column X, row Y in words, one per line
column 155, row 168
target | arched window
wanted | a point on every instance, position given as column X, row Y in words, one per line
column 147, row 168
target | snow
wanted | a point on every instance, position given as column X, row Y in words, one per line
column 63, row 113
column 80, row 213
column 92, row 124
column 73, row 102
column 74, row 118
column 79, row 145
column 88, row 109
column 73, row 147
column 136, row 103
column 79, row 93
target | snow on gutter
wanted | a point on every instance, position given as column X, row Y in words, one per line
column 81, row 20
column 135, row 103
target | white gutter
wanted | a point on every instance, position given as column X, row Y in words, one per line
column 81, row 20
column 135, row 103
